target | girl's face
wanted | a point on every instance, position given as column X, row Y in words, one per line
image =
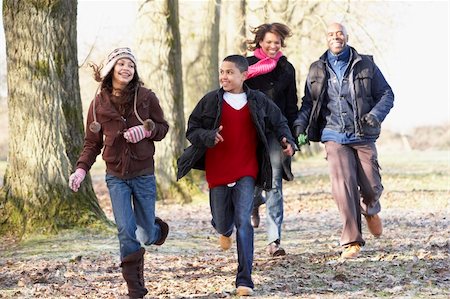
column 124, row 70
column 271, row 44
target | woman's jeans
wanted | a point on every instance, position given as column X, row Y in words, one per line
column 232, row 206
column 274, row 197
column 133, row 203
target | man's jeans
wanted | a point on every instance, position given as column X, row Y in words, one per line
column 232, row 206
column 274, row 197
column 133, row 203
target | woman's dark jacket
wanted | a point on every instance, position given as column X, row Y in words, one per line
column 205, row 120
column 123, row 159
column 279, row 85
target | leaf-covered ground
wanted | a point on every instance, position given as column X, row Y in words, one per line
column 410, row 260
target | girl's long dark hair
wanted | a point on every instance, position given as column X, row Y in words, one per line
column 106, row 83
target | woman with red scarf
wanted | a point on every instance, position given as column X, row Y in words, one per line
column 271, row 73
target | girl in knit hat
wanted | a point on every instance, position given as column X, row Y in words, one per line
column 125, row 119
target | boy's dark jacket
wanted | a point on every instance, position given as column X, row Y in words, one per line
column 205, row 120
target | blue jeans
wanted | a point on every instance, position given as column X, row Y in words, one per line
column 232, row 206
column 274, row 197
column 133, row 203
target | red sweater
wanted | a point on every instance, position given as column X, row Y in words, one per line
column 235, row 157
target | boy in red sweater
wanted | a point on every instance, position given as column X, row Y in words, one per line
column 228, row 132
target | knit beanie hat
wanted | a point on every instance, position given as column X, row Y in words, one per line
column 115, row 55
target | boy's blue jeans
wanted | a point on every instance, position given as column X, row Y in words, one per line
column 133, row 203
column 274, row 197
column 232, row 206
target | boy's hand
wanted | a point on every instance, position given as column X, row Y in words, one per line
column 218, row 137
column 287, row 147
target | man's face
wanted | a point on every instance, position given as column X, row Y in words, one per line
column 337, row 38
column 231, row 78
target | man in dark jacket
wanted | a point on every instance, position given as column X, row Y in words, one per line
column 228, row 132
column 346, row 99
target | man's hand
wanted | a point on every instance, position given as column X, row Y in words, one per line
column 287, row 147
column 136, row 134
column 218, row 137
column 371, row 120
column 302, row 139
column 76, row 178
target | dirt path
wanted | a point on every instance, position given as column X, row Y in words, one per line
column 411, row 260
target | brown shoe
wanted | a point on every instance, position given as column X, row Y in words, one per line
column 255, row 217
column 351, row 251
column 274, row 249
column 225, row 242
column 374, row 225
column 164, row 230
column 244, row 291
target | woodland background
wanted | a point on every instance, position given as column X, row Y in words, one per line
column 57, row 244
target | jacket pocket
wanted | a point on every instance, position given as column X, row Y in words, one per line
column 110, row 151
column 142, row 150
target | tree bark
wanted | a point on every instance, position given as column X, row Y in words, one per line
column 200, row 49
column 233, row 39
column 45, row 121
column 159, row 65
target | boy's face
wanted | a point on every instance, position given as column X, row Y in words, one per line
column 231, row 78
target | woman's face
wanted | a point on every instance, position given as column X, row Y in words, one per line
column 123, row 73
column 271, row 44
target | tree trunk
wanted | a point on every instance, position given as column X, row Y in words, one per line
column 233, row 28
column 159, row 65
column 200, row 49
column 45, row 121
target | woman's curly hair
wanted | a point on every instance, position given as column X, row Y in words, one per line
column 279, row 29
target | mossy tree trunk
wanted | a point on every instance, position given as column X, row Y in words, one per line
column 45, row 121
column 159, row 65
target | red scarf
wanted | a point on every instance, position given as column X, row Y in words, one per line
column 265, row 64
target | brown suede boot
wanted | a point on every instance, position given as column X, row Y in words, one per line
column 133, row 273
column 164, row 230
